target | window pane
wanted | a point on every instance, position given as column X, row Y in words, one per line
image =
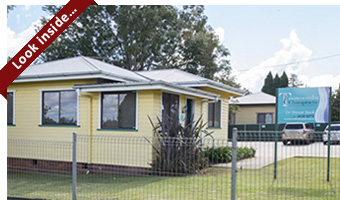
column 127, row 110
column 269, row 118
column 110, row 111
column 174, row 106
column 51, row 108
column 217, row 114
column 68, row 110
column 10, row 108
column 211, row 114
column 260, row 118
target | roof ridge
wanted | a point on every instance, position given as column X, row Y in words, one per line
column 90, row 63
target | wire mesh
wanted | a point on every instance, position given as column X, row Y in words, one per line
column 39, row 169
column 111, row 167
column 301, row 168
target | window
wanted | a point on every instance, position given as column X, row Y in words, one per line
column 214, row 114
column 265, row 118
column 170, row 106
column 118, row 110
column 59, row 107
column 10, row 108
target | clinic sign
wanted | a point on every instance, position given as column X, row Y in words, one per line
column 309, row 105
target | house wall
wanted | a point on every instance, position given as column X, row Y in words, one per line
column 248, row 114
column 221, row 132
column 93, row 147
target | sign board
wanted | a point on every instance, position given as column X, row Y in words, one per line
column 309, row 105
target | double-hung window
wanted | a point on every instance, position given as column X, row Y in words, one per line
column 118, row 110
column 59, row 107
column 214, row 114
column 10, row 108
column 264, row 118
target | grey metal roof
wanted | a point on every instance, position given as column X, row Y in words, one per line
column 258, row 98
column 144, row 85
column 78, row 66
column 171, row 75
column 187, row 79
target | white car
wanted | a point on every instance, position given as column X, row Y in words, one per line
column 335, row 134
column 297, row 132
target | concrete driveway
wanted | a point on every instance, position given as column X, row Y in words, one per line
column 265, row 152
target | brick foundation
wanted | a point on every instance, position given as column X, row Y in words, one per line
column 48, row 166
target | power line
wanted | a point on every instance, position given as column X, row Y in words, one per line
column 294, row 63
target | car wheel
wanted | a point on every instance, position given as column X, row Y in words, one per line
column 284, row 142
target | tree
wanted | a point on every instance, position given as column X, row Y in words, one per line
column 294, row 81
column 268, row 84
column 336, row 105
column 283, row 80
column 142, row 38
column 10, row 8
column 276, row 84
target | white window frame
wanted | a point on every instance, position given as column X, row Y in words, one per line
column 100, row 110
column 56, row 90
column 13, row 91
column 221, row 108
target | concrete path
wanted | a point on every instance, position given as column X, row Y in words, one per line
column 265, row 152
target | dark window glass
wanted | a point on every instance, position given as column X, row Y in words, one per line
column 294, row 126
column 214, row 114
column 265, row 118
column 170, row 104
column 10, row 109
column 119, row 110
column 60, row 107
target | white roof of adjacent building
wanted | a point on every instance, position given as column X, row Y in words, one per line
column 255, row 99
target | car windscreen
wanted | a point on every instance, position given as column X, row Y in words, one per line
column 294, row 126
column 335, row 128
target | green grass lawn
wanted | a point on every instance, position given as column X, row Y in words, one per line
column 297, row 178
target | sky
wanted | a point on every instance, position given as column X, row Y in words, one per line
column 260, row 39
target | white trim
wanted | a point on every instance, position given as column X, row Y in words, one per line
column 100, row 111
column 220, row 121
column 211, row 86
column 13, row 114
column 22, row 80
column 136, row 119
column 149, row 87
column 56, row 90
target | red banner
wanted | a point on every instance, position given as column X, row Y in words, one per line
column 41, row 41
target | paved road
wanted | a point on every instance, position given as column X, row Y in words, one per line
column 265, row 152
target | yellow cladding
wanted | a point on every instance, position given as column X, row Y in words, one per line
column 248, row 114
column 93, row 146
column 27, row 112
column 222, row 131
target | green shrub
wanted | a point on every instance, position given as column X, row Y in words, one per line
column 177, row 148
column 224, row 154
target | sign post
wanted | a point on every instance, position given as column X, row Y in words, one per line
column 305, row 105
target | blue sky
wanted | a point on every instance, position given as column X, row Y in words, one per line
column 258, row 37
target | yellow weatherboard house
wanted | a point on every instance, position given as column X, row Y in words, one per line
column 52, row 100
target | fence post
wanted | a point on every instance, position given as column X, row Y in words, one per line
column 233, row 165
column 74, row 167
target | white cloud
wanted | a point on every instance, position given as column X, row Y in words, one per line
column 220, row 33
column 325, row 80
column 15, row 41
column 27, row 7
column 292, row 51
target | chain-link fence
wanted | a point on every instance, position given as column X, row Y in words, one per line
column 109, row 167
